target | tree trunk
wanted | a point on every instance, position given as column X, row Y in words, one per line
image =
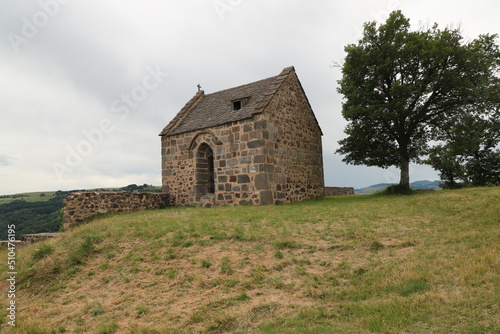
column 405, row 173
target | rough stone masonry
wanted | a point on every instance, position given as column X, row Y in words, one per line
column 258, row 144
column 80, row 206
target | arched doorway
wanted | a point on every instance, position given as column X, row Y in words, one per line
column 205, row 171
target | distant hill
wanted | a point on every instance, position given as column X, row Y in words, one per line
column 423, row 184
column 42, row 196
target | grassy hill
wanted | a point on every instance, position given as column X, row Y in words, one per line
column 426, row 263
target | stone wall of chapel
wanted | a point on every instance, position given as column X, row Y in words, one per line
column 296, row 140
column 274, row 157
column 238, row 157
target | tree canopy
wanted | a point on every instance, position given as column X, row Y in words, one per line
column 402, row 88
column 468, row 154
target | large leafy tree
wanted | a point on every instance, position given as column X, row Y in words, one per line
column 401, row 87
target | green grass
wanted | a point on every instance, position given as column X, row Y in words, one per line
column 42, row 251
column 108, row 328
column 424, row 263
column 206, row 264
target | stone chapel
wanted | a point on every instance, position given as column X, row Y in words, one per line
column 258, row 144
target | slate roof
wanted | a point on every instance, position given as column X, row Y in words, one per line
column 204, row 111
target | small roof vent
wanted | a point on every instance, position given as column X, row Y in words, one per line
column 239, row 103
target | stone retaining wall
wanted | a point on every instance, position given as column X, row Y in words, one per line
column 83, row 205
column 38, row 237
column 28, row 239
column 4, row 244
column 339, row 191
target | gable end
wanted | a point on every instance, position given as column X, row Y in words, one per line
column 273, row 89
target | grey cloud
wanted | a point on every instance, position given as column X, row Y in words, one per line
column 99, row 48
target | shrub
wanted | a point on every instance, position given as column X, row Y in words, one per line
column 141, row 310
column 376, row 245
column 286, row 244
column 205, row 264
column 108, row 328
column 95, row 309
column 243, row 297
column 398, row 189
column 225, row 266
column 413, row 286
column 188, row 244
column 223, row 323
column 81, row 253
column 41, row 252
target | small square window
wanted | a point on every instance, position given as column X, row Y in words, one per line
column 237, row 105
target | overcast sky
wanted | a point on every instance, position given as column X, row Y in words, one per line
column 86, row 86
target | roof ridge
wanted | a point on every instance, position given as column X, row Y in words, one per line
column 241, row 86
column 272, row 89
column 265, row 89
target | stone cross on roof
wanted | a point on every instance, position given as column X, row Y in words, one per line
column 199, row 87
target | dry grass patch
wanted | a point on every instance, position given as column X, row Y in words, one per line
column 368, row 264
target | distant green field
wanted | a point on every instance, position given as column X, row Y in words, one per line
column 28, row 197
column 46, row 195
